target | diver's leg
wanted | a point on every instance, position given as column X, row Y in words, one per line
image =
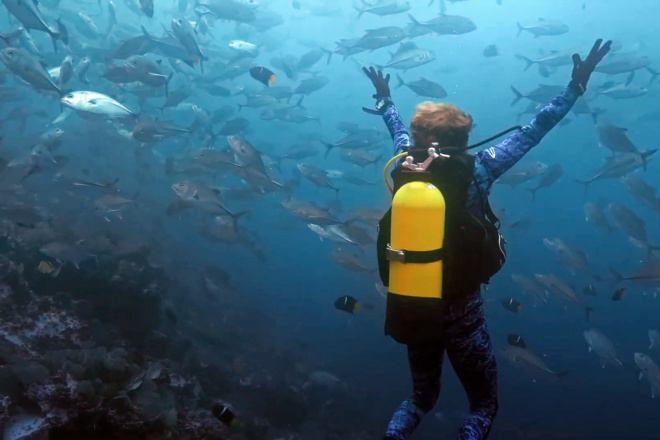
column 472, row 356
column 426, row 367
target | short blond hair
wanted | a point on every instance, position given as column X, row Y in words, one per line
column 442, row 123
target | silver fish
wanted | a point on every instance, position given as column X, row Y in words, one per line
column 650, row 370
column 544, row 28
column 66, row 253
column 28, row 69
column 409, row 56
column 382, row 7
column 654, row 338
column 619, row 165
column 445, row 25
column 317, row 176
column 602, row 346
column 27, row 12
column 184, row 32
column 526, row 358
column 424, row 87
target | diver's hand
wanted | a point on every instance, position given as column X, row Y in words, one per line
column 582, row 70
column 380, row 82
column 382, row 95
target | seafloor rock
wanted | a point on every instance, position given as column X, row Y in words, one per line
column 26, row 426
column 73, row 362
column 68, row 415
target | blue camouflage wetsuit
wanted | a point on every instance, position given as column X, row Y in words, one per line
column 466, row 338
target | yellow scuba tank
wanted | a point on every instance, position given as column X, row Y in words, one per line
column 418, row 224
column 417, row 235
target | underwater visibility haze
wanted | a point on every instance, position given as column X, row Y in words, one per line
column 189, row 201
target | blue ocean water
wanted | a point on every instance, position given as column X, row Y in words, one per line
column 283, row 303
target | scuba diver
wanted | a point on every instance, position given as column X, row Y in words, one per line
column 440, row 242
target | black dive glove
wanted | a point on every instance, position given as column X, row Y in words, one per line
column 382, row 95
column 582, row 70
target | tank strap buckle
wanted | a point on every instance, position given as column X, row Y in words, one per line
column 396, row 254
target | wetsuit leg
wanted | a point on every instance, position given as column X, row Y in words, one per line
column 472, row 356
column 426, row 367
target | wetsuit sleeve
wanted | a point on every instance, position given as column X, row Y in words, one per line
column 495, row 161
column 397, row 129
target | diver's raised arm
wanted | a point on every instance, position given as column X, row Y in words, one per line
column 497, row 160
column 385, row 107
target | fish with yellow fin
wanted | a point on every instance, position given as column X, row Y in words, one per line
column 619, row 295
column 347, row 304
column 263, row 75
column 47, row 268
column 223, row 412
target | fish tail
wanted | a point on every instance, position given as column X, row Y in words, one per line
column 401, row 82
column 54, row 36
column 328, row 147
column 529, row 62
column 518, row 97
column 520, row 29
column 645, row 155
column 650, row 249
column 235, row 217
column 240, row 214
column 586, row 184
column 201, row 63
column 336, row 192
column 57, row 271
column 414, row 20
column 329, row 53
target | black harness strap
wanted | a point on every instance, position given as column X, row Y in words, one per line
column 491, row 215
column 488, row 210
column 418, row 257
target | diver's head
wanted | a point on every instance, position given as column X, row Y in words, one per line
column 441, row 123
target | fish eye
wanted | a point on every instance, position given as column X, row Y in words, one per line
column 69, row 96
